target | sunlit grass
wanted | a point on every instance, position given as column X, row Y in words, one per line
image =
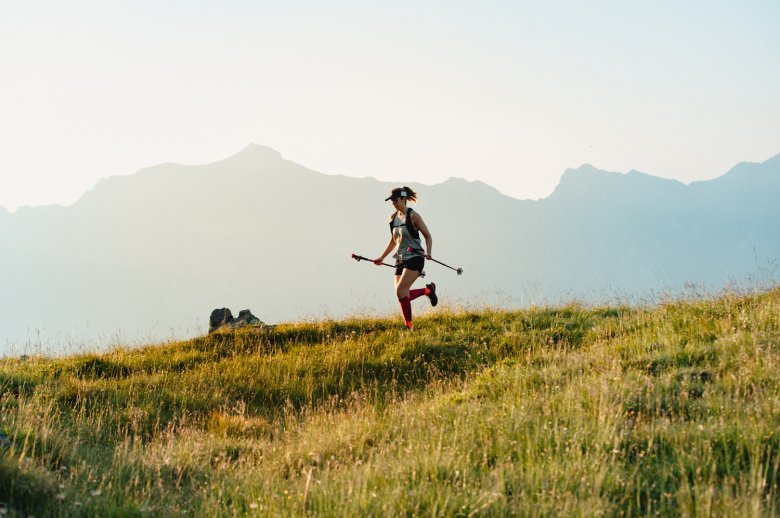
column 567, row 410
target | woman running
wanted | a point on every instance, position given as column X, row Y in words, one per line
column 406, row 225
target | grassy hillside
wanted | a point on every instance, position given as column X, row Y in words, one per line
column 567, row 410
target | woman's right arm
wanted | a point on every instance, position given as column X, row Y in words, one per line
column 388, row 249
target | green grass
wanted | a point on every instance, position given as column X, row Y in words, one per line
column 616, row 411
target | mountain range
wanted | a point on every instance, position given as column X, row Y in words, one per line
column 146, row 257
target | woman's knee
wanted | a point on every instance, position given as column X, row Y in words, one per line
column 402, row 291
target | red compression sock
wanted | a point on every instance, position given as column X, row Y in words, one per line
column 406, row 309
column 413, row 294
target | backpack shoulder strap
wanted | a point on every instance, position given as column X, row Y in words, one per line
column 410, row 224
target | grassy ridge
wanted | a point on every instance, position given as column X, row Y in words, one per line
column 569, row 410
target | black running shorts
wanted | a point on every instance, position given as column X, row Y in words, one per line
column 415, row 263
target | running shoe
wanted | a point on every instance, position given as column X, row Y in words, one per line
column 432, row 294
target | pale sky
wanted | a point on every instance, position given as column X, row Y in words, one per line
column 508, row 92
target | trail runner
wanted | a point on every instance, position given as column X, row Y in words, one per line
column 406, row 225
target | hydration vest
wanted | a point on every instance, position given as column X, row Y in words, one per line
column 409, row 225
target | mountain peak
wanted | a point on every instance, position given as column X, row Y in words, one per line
column 457, row 180
column 585, row 176
column 257, row 152
column 462, row 184
column 775, row 160
column 744, row 179
column 586, row 169
column 587, row 183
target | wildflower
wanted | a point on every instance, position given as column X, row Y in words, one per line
column 253, row 505
column 96, row 492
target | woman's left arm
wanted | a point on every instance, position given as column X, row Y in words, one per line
column 419, row 224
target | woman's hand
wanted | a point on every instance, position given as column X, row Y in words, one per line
column 428, row 255
column 378, row 261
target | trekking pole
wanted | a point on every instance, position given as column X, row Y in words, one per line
column 422, row 252
column 359, row 258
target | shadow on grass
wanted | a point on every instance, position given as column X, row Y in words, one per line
column 26, row 490
column 18, row 386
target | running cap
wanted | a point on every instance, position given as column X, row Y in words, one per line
column 396, row 193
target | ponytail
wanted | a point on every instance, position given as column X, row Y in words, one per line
column 410, row 194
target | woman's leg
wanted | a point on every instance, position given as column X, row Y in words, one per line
column 419, row 292
column 404, row 282
column 402, row 285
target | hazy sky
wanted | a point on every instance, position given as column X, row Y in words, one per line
column 511, row 93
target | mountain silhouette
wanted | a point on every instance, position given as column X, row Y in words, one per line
column 147, row 256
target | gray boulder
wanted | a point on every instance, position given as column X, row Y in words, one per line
column 222, row 319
